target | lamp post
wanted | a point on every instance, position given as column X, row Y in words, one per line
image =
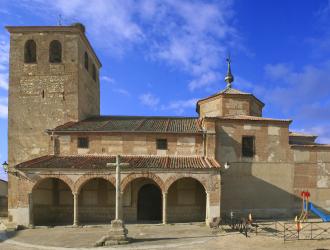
column 5, row 166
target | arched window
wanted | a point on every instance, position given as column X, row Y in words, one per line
column 30, row 52
column 94, row 72
column 55, row 52
column 86, row 61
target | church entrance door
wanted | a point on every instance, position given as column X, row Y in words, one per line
column 149, row 203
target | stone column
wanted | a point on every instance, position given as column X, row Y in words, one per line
column 31, row 219
column 164, row 207
column 75, row 209
column 118, row 193
column 207, row 212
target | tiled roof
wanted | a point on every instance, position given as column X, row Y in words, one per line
column 230, row 91
column 100, row 162
column 233, row 91
column 298, row 134
column 134, row 124
column 313, row 145
column 250, row 118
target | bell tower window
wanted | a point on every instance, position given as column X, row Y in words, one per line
column 94, row 72
column 30, row 52
column 86, row 61
column 55, row 52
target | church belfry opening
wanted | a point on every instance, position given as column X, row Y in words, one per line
column 86, row 61
column 55, row 52
column 30, row 52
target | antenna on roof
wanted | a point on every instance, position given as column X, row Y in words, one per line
column 59, row 20
column 229, row 77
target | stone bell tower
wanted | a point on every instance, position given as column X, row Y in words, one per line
column 53, row 79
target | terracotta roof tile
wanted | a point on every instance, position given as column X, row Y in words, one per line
column 133, row 124
column 301, row 134
column 250, row 118
column 100, row 162
column 230, row 91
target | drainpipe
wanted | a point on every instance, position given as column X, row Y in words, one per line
column 54, row 143
column 204, row 142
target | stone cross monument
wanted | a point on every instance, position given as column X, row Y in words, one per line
column 118, row 233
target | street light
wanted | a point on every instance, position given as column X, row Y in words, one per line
column 5, row 166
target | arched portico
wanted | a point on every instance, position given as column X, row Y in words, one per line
column 96, row 202
column 142, row 198
column 186, row 200
column 51, row 202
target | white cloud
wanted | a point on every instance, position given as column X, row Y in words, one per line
column 4, row 60
column 322, row 131
column 180, row 106
column 294, row 88
column 3, row 107
column 302, row 95
column 192, row 36
column 204, row 80
column 122, row 91
column 114, row 86
column 107, row 79
column 278, row 71
column 149, row 100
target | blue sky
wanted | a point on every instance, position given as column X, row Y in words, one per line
column 159, row 57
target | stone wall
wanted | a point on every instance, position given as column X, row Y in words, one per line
column 132, row 144
column 262, row 184
column 312, row 173
column 43, row 95
column 3, row 198
column 229, row 105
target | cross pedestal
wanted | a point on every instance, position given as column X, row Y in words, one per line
column 118, row 233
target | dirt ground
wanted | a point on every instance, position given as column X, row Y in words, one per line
column 153, row 236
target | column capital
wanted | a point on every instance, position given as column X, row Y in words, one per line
column 75, row 193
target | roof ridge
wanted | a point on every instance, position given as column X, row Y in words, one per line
column 125, row 155
column 142, row 116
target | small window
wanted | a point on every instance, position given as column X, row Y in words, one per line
column 161, row 144
column 30, row 52
column 55, row 52
column 248, row 146
column 86, row 61
column 94, row 72
column 83, row 142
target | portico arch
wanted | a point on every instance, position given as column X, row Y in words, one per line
column 87, row 177
column 186, row 200
column 147, row 175
column 52, row 202
column 96, row 200
column 41, row 178
column 176, row 177
column 142, row 197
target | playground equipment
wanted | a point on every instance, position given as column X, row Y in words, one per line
column 309, row 206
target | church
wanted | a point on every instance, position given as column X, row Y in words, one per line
column 228, row 158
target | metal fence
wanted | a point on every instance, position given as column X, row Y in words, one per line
column 306, row 231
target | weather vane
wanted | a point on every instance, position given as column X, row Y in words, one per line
column 229, row 77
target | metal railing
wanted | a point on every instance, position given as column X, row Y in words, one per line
column 306, row 231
